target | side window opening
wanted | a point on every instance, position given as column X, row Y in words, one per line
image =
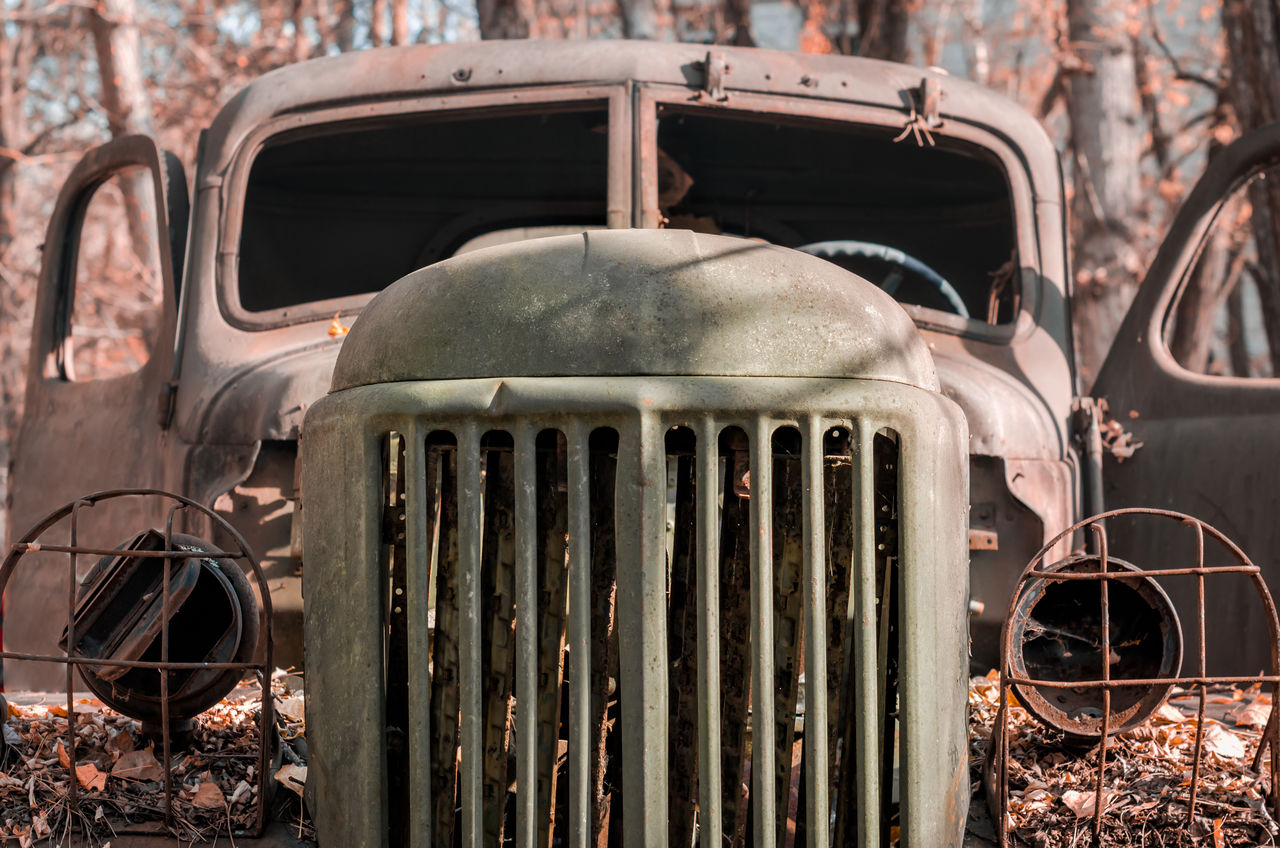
column 350, row 210
column 1218, row 325
column 116, row 291
column 934, row 227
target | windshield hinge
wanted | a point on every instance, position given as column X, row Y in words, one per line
column 923, row 106
column 716, row 67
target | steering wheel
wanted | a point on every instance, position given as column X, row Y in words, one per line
column 836, row 249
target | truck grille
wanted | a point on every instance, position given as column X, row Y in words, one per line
column 536, row 529
column 675, row 563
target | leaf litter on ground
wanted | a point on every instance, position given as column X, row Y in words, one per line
column 120, row 777
column 1052, row 781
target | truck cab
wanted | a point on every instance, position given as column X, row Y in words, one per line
column 566, row 222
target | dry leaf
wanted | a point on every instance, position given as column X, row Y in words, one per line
column 1083, row 803
column 138, row 765
column 294, row 777
column 336, row 327
column 63, row 758
column 119, row 744
column 1218, row 740
column 292, row 708
column 90, row 777
column 208, row 797
column 243, row 790
column 1169, row 714
column 1254, row 714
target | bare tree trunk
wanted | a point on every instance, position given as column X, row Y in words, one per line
column 1197, row 308
column 506, row 18
column 302, row 46
column 1205, row 290
column 1253, row 48
column 205, row 27
column 640, row 19
column 737, row 23
column 979, row 52
column 340, row 29
column 399, row 21
column 128, row 104
column 882, row 29
column 19, row 52
column 378, row 24
column 12, row 124
column 1106, row 140
column 270, row 32
column 119, row 51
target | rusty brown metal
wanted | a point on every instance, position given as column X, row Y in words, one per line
column 997, row 766
column 122, row 612
column 71, row 514
column 235, row 383
column 1056, row 635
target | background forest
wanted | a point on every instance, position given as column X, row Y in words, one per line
column 1137, row 94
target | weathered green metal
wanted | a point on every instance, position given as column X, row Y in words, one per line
column 632, row 303
column 344, row 577
column 639, row 332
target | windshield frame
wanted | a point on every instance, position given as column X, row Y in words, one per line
column 954, row 133
column 561, row 98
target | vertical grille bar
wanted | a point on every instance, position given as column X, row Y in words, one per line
column 642, row 605
column 419, row 499
column 606, row 814
column 866, row 743
column 469, row 528
column 444, row 662
column 497, row 605
column 763, row 731
column 708, row 535
column 817, row 812
column 579, row 636
column 526, row 637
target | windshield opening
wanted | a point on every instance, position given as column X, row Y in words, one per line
column 933, row 227
column 352, row 210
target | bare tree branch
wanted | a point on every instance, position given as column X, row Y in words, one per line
column 1179, row 73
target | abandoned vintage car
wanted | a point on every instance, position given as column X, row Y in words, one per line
column 675, row 376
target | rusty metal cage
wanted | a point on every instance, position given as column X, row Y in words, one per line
column 1108, row 571
column 170, row 506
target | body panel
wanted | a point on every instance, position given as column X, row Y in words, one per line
column 1209, row 443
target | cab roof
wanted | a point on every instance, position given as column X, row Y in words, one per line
column 414, row 71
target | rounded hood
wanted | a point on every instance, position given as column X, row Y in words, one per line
column 633, row 303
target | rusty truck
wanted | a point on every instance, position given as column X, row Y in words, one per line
column 675, row 375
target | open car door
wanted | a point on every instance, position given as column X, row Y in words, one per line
column 101, row 359
column 1209, row 425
